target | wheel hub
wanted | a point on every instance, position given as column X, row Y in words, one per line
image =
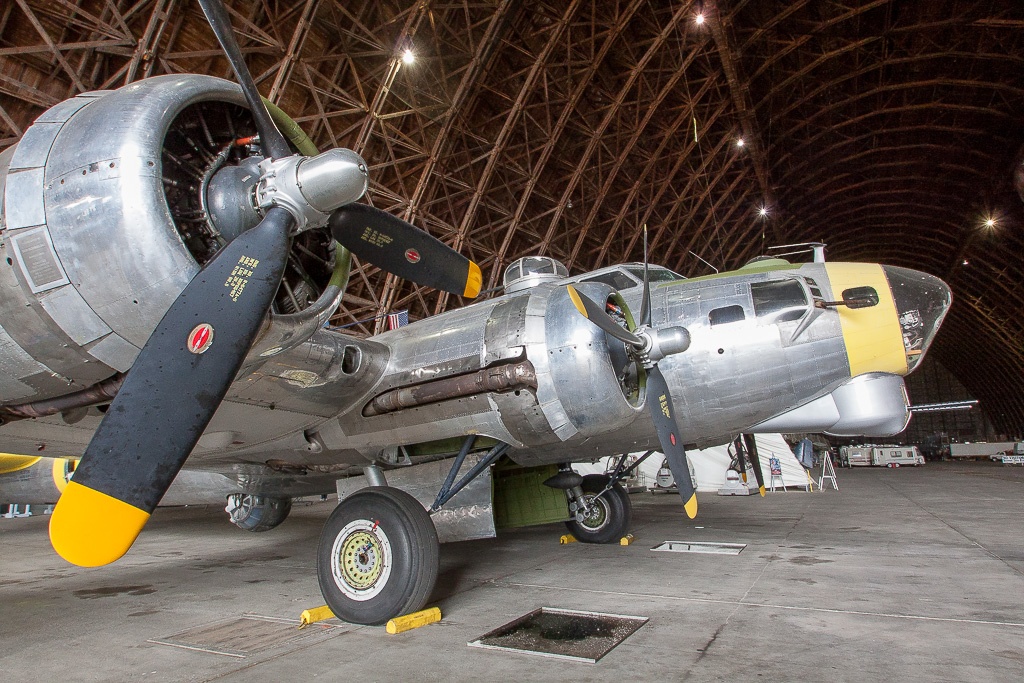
column 361, row 560
column 595, row 514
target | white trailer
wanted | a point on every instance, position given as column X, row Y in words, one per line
column 855, row 456
column 992, row 450
column 889, row 456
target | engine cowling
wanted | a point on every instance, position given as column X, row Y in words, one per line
column 587, row 383
column 105, row 221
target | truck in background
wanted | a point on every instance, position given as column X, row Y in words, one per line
column 991, row 450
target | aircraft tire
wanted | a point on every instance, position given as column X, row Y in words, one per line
column 378, row 556
column 260, row 513
column 611, row 520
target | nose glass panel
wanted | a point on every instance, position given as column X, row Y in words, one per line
column 922, row 301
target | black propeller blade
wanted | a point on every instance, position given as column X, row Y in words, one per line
column 405, row 250
column 271, row 139
column 597, row 315
column 169, row 397
column 180, row 376
column 645, row 305
column 755, row 461
column 741, row 461
column 660, row 403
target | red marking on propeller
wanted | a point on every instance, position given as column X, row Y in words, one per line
column 672, row 438
column 412, row 256
column 200, row 338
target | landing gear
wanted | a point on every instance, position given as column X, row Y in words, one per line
column 601, row 518
column 378, row 556
column 257, row 513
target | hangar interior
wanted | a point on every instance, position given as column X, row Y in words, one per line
column 726, row 130
column 889, row 131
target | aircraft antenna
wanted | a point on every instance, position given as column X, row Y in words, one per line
column 704, row 262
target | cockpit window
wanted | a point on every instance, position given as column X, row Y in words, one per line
column 655, row 274
column 614, row 278
column 780, row 300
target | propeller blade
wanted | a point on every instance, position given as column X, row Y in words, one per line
column 271, row 139
column 404, row 250
column 740, row 460
column 595, row 314
column 755, row 461
column 659, row 402
column 645, row 305
column 169, row 396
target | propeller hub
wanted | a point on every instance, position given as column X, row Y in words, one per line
column 663, row 342
column 310, row 188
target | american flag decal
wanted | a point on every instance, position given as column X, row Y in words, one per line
column 398, row 319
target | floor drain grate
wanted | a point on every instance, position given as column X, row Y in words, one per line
column 700, row 547
column 564, row 634
column 246, row 635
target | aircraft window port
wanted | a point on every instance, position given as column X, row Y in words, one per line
column 726, row 314
column 815, row 290
column 350, row 360
column 616, row 279
column 779, row 300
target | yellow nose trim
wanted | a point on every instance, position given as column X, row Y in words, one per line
column 873, row 337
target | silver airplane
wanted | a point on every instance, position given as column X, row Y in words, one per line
column 172, row 259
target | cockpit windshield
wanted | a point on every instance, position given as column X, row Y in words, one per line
column 654, row 274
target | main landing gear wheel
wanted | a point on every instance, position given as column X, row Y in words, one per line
column 378, row 556
column 610, row 514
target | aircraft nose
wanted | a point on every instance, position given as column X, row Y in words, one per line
column 922, row 301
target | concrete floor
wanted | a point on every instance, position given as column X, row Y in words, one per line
column 909, row 574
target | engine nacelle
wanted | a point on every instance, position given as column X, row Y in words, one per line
column 579, row 363
column 93, row 254
column 110, row 203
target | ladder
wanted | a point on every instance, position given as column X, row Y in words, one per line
column 828, row 473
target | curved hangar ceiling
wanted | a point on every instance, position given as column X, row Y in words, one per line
column 889, row 130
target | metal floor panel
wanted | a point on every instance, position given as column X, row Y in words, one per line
column 246, row 635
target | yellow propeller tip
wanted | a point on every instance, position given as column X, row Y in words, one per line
column 474, row 281
column 89, row 528
column 574, row 296
column 691, row 506
column 761, row 489
column 744, row 475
